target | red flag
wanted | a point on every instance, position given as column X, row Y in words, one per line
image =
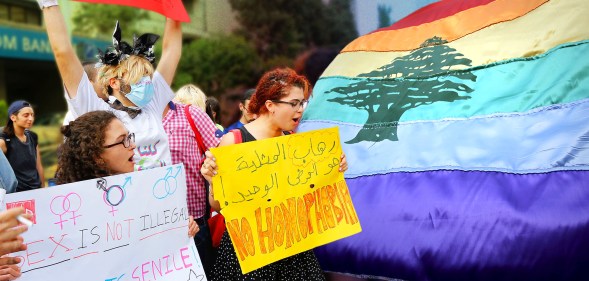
column 173, row 9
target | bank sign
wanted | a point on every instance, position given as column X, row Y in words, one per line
column 34, row 45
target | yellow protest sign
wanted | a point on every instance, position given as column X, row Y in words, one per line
column 282, row 196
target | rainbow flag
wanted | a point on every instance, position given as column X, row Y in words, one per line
column 466, row 129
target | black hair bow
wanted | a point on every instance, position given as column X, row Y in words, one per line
column 120, row 50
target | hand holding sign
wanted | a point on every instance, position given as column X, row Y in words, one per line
column 282, row 196
column 144, row 237
column 173, row 9
column 10, row 241
column 9, row 272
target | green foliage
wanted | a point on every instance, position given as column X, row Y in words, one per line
column 340, row 25
column 285, row 28
column 3, row 112
column 218, row 63
column 99, row 19
column 384, row 16
column 278, row 61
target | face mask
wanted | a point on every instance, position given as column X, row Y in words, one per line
column 141, row 92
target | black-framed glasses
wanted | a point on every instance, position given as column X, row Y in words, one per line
column 126, row 142
column 295, row 104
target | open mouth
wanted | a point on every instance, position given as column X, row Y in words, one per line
column 296, row 120
column 130, row 159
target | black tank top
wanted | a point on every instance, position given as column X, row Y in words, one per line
column 22, row 157
column 246, row 136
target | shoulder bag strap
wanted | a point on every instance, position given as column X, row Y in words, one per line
column 202, row 148
column 237, row 135
column 201, row 144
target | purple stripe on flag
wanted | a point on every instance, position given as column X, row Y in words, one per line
column 458, row 225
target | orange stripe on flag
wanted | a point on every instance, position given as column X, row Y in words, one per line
column 450, row 28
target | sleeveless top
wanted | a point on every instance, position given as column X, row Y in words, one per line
column 246, row 136
column 22, row 156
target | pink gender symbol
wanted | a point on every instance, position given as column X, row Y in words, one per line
column 66, row 206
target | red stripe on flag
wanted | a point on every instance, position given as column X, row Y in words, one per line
column 173, row 9
column 434, row 12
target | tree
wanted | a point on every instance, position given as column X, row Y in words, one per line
column 218, row 63
column 93, row 19
column 3, row 111
column 285, row 28
column 384, row 15
column 340, row 20
column 419, row 78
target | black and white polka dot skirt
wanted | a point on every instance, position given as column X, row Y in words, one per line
column 303, row 266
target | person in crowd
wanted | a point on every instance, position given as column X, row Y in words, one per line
column 279, row 101
column 21, row 146
column 8, row 180
column 246, row 115
column 137, row 92
column 313, row 63
column 11, row 242
column 9, row 236
column 97, row 144
column 191, row 95
column 213, row 109
column 92, row 73
column 185, row 149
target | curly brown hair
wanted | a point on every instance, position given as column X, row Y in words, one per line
column 273, row 85
column 79, row 156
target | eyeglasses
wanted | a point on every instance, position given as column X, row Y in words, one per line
column 296, row 104
column 126, row 142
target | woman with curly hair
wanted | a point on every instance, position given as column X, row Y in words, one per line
column 97, row 144
column 279, row 102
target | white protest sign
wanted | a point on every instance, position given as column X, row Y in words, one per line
column 126, row 227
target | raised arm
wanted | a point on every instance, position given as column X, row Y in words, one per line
column 70, row 67
column 171, row 50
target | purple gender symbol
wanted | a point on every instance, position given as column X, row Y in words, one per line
column 114, row 194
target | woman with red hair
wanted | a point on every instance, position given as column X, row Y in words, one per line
column 279, row 101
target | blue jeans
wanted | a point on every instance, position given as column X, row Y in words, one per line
column 7, row 177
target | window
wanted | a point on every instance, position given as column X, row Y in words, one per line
column 28, row 14
column 17, row 14
column 4, row 12
column 33, row 17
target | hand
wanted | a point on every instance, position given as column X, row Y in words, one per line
column 343, row 163
column 192, row 227
column 209, row 167
column 9, row 272
column 10, row 241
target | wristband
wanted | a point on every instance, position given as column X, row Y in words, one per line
column 47, row 3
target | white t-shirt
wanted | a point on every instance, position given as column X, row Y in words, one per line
column 69, row 117
column 150, row 138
